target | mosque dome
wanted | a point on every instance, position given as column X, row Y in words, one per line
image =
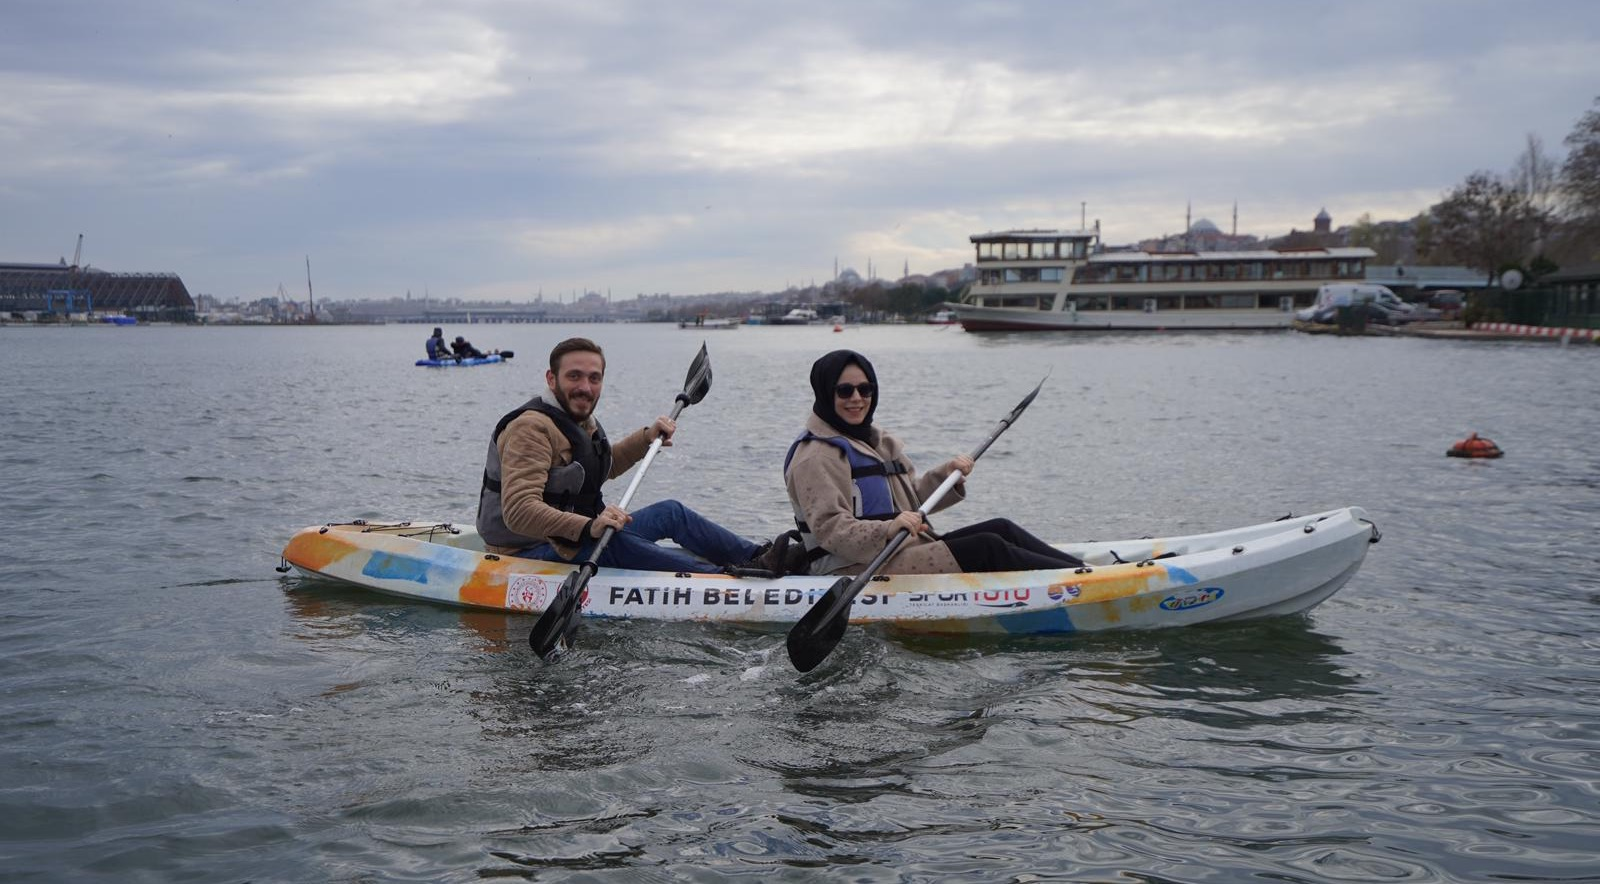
column 1204, row 225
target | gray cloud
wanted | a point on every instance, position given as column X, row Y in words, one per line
column 499, row 149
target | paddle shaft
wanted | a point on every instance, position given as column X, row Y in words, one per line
column 590, row 564
column 552, row 631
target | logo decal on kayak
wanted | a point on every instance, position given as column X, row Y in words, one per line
column 1059, row 591
column 983, row 598
column 527, row 592
column 1191, row 599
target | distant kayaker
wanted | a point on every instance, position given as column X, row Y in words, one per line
column 541, row 484
column 464, row 350
column 853, row 488
column 437, row 347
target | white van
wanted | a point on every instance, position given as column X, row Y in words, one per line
column 1351, row 294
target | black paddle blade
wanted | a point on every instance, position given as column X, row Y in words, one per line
column 560, row 618
column 698, row 382
column 506, row 354
column 815, row 636
column 1027, row 400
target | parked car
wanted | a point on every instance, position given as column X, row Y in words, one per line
column 1389, row 309
column 1448, row 302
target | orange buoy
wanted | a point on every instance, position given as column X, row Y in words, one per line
column 1474, row 446
column 838, row 328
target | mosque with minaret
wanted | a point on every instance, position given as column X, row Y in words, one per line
column 1203, row 235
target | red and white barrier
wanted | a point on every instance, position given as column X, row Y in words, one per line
column 1538, row 331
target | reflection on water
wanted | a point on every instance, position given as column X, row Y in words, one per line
column 175, row 711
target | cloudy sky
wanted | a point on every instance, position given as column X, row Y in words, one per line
column 507, row 148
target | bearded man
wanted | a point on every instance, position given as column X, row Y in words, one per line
column 549, row 457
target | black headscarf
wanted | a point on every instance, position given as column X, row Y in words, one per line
column 825, row 375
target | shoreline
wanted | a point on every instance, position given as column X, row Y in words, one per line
column 1456, row 330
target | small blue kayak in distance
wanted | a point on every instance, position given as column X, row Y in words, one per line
column 491, row 359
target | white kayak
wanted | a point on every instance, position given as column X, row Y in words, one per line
column 1268, row 570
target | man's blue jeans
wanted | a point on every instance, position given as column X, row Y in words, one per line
column 706, row 545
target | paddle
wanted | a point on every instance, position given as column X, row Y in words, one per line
column 553, row 631
column 819, row 631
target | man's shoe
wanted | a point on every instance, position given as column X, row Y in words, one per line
column 771, row 556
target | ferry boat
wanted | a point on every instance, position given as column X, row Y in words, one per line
column 1066, row 280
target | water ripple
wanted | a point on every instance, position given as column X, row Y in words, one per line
column 177, row 711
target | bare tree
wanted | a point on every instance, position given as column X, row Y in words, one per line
column 1486, row 223
column 1580, row 185
column 1538, row 176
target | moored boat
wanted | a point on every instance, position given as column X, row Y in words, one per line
column 701, row 323
column 1272, row 569
column 797, row 316
column 1030, row 280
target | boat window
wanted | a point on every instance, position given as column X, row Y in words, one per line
column 1238, row 301
column 1165, row 302
column 1026, row 301
column 1052, row 274
column 1013, row 274
column 1089, row 302
column 1200, row 302
column 1127, row 302
column 1010, row 251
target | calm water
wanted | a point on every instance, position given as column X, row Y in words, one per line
column 174, row 710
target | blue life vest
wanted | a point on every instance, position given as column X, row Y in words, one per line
column 870, row 475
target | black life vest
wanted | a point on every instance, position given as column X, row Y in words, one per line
column 573, row 487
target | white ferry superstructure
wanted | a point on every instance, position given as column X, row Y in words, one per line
column 1063, row 280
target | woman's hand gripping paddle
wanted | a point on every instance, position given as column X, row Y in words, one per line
column 819, row 631
column 552, row 633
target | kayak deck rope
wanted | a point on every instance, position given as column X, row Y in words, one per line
column 426, row 530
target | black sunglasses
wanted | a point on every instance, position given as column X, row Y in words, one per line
column 843, row 391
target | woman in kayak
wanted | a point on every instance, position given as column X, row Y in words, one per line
column 853, row 489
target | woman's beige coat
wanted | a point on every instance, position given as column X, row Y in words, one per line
column 822, row 493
